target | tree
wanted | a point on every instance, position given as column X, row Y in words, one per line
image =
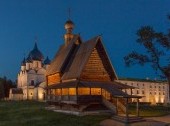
column 157, row 51
column 2, row 93
column 5, row 86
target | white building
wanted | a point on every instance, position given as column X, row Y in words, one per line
column 153, row 91
column 31, row 77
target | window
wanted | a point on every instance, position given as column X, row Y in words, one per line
column 150, row 86
column 37, row 64
column 150, row 93
column 58, row 91
column 83, row 91
column 64, row 91
column 143, row 92
column 32, row 82
column 137, row 92
column 53, row 91
column 72, row 91
column 95, row 91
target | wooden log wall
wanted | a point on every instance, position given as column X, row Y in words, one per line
column 53, row 79
column 94, row 69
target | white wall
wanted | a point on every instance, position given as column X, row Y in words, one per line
column 154, row 92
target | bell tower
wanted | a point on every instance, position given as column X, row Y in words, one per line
column 69, row 26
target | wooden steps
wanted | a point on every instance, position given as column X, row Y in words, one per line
column 109, row 105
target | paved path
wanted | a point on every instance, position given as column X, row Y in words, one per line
column 165, row 119
column 151, row 121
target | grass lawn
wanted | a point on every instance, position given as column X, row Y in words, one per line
column 151, row 111
column 30, row 113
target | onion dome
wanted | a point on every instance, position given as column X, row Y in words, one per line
column 29, row 59
column 69, row 25
column 35, row 54
column 47, row 61
column 23, row 63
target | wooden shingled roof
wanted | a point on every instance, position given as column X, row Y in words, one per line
column 60, row 57
column 71, row 64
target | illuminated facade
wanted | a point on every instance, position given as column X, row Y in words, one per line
column 81, row 77
column 31, row 78
column 153, row 91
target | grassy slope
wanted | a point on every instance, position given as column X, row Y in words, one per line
column 29, row 113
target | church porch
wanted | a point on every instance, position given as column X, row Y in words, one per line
column 78, row 96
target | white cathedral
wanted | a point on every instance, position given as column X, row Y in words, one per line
column 31, row 81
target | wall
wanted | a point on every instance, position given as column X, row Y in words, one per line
column 154, row 92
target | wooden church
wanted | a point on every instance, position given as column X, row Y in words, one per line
column 81, row 77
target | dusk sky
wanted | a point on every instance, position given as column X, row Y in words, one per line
column 117, row 21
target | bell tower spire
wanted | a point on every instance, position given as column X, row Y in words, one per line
column 69, row 26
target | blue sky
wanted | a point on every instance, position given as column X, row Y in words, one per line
column 117, row 21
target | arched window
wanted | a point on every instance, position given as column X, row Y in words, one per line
column 37, row 64
column 32, row 82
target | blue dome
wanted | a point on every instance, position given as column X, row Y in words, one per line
column 47, row 61
column 29, row 59
column 35, row 54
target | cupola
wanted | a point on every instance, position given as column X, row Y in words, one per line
column 69, row 26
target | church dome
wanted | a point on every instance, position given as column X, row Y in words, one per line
column 47, row 61
column 69, row 24
column 35, row 54
column 29, row 59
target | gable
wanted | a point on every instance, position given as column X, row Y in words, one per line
column 91, row 59
column 98, row 67
column 80, row 60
